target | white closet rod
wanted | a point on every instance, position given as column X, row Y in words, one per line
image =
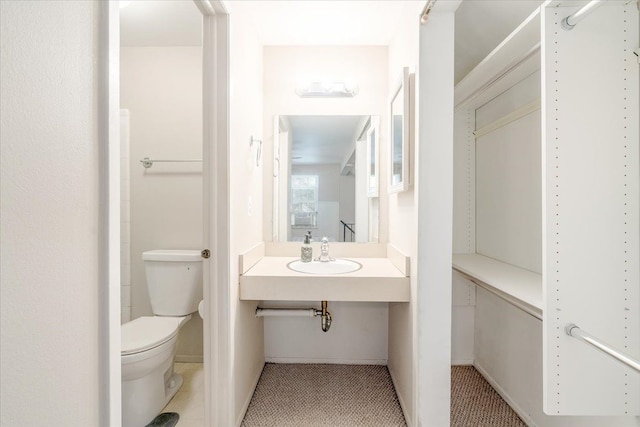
column 574, row 331
column 570, row 21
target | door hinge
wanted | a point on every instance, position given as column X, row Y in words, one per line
column 206, row 253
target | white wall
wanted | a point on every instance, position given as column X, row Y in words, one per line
column 125, row 219
column 349, row 341
column 508, row 180
column 283, row 66
column 162, row 89
column 402, row 209
column 246, row 209
column 50, row 309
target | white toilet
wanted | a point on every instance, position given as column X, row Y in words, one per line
column 174, row 281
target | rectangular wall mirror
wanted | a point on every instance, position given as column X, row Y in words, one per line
column 401, row 135
column 325, row 178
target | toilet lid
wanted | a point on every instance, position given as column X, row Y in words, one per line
column 145, row 333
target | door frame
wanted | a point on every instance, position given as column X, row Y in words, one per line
column 216, row 335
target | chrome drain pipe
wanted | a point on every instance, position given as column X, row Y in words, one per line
column 298, row 312
column 326, row 317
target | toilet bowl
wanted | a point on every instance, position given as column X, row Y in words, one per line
column 147, row 355
column 148, row 347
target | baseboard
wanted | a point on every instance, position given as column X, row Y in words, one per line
column 247, row 401
column 522, row 414
column 462, row 362
column 189, row 359
column 326, row 361
column 407, row 419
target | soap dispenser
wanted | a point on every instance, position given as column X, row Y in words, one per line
column 306, row 253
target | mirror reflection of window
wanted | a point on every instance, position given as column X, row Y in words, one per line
column 304, row 201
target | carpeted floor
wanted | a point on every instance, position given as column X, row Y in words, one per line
column 324, row 395
column 293, row 395
column 474, row 403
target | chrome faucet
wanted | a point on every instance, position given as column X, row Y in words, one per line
column 324, row 251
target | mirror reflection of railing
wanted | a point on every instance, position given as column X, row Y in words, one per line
column 348, row 227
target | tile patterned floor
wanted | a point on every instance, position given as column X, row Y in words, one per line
column 189, row 401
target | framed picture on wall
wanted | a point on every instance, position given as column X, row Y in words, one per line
column 401, row 139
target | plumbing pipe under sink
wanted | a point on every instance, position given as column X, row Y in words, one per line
column 289, row 312
column 299, row 312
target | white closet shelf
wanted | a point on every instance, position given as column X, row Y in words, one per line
column 520, row 287
column 511, row 61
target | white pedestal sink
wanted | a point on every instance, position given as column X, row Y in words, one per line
column 338, row 266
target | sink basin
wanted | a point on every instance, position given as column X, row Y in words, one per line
column 338, row 266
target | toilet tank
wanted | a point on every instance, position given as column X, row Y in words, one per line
column 174, row 281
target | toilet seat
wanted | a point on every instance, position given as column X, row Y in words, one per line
column 146, row 333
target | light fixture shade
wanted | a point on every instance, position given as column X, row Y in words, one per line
column 319, row 89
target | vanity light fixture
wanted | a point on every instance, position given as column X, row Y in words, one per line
column 336, row 89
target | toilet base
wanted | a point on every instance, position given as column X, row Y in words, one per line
column 144, row 398
column 173, row 385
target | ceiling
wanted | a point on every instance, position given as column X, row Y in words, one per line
column 480, row 25
column 326, row 22
column 322, row 139
column 160, row 23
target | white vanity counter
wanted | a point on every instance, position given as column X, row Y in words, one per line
column 379, row 280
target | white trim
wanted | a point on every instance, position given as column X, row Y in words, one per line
column 307, row 360
column 189, row 359
column 403, row 405
column 205, row 7
column 462, row 362
column 251, row 257
column 398, row 258
column 434, row 195
column 109, row 102
column 508, row 118
column 373, row 129
column 402, row 87
column 247, row 401
column 217, row 339
column 512, row 403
